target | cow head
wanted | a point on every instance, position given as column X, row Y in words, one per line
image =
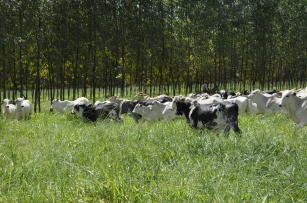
column 287, row 97
column 55, row 101
column 19, row 101
column 5, row 102
column 79, row 109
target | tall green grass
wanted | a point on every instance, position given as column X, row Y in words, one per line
column 61, row 158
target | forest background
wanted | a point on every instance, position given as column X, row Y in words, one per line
column 69, row 48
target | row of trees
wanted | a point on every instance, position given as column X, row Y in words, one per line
column 153, row 45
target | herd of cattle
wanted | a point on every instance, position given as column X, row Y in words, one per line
column 217, row 111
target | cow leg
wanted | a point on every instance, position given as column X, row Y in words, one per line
column 187, row 117
column 298, row 126
column 226, row 131
column 233, row 123
column 236, row 128
column 117, row 118
column 194, row 123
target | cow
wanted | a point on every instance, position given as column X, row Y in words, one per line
column 161, row 107
column 302, row 93
column 225, row 93
column 296, row 108
column 9, row 110
column 216, row 116
column 244, row 93
column 100, row 102
column 242, row 103
column 127, row 106
column 271, row 92
column 146, row 112
column 101, row 111
column 265, row 103
column 161, row 99
column 182, row 107
column 62, row 106
column 252, row 107
column 24, row 109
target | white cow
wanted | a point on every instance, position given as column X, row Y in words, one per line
column 154, row 112
column 165, row 109
column 100, row 102
column 9, row 110
column 302, row 93
column 252, row 107
column 62, row 106
column 210, row 100
column 146, row 112
column 265, row 103
column 80, row 101
column 24, row 109
column 242, row 103
column 296, row 108
column 171, row 109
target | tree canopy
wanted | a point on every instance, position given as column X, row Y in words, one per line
column 152, row 44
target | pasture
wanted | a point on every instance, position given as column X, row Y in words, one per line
column 60, row 158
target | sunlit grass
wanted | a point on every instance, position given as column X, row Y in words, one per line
column 55, row 157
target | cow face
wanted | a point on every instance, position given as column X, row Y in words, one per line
column 287, row 97
column 19, row 101
column 5, row 102
column 55, row 101
column 78, row 109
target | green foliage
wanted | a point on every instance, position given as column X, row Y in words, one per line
column 162, row 41
column 55, row 157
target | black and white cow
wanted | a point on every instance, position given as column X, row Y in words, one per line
column 127, row 106
column 225, row 93
column 183, row 107
column 101, row 111
column 216, row 116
